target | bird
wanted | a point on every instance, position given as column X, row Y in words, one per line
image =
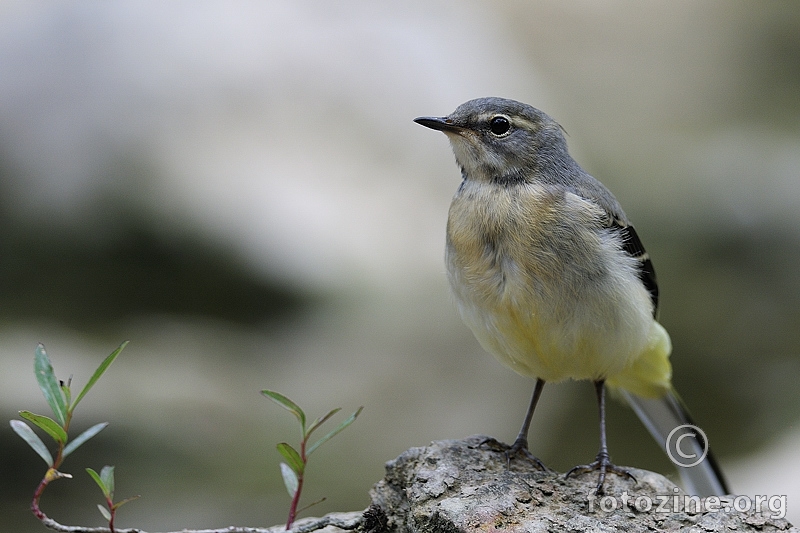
column 551, row 277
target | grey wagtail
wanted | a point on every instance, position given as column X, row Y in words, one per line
column 551, row 277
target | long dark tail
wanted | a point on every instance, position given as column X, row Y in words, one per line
column 661, row 416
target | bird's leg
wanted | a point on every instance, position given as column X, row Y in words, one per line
column 520, row 445
column 602, row 462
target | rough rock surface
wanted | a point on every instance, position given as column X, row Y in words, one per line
column 468, row 485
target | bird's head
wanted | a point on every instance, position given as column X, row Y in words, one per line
column 496, row 139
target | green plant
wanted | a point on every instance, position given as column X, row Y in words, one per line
column 293, row 470
column 105, row 480
column 58, row 395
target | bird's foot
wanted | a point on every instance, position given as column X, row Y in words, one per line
column 493, row 444
column 603, row 465
column 518, row 449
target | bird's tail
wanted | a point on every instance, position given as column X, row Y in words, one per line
column 662, row 417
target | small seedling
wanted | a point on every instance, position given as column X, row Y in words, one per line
column 105, row 480
column 293, row 470
column 58, row 395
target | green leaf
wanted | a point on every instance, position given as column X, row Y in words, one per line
column 24, row 430
column 83, row 437
column 312, row 504
column 99, row 372
column 333, row 433
column 287, row 404
column 104, row 512
column 49, row 385
column 289, row 479
column 107, row 475
column 99, row 480
column 291, row 455
column 123, row 502
column 47, row 424
column 319, row 421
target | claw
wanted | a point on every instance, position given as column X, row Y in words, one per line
column 492, row 443
column 520, row 447
column 602, row 464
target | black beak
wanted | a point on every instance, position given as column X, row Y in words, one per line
column 438, row 123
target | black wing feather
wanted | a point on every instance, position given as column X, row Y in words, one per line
column 633, row 245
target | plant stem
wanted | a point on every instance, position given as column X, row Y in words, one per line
column 295, row 503
column 37, row 494
column 296, row 497
column 51, row 475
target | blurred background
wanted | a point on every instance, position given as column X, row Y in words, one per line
column 239, row 190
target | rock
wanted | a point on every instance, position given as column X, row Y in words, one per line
column 469, row 485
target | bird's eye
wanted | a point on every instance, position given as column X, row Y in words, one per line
column 499, row 125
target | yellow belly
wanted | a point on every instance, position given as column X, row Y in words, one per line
column 549, row 299
column 556, row 340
